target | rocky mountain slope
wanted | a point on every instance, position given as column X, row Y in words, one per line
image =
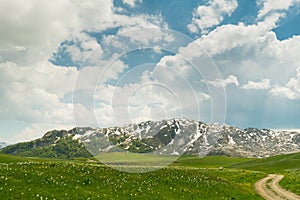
column 54, row 144
column 175, row 136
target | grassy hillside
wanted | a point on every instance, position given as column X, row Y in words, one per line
column 49, row 146
column 28, row 179
column 137, row 158
column 190, row 177
column 291, row 181
column 288, row 165
column 4, row 158
column 272, row 164
column 209, row 161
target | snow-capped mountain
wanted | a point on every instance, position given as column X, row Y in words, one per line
column 174, row 136
column 179, row 136
column 252, row 142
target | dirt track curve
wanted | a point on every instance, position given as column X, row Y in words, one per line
column 270, row 189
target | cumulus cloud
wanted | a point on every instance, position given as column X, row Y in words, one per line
column 250, row 52
column 84, row 46
column 161, row 93
column 291, row 90
column 34, row 94
column 131, row 3
column 152, row 34
column 206, row 16
column 140, row 102
column 35, row 91
column 264, row 84
column 38, row 92
column 285, row 92
column 269, row 6
column 24, row 42
column 230, row 80
column 227, row 37
column 36, row 28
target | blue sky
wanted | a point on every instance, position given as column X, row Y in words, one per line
column 105, row 63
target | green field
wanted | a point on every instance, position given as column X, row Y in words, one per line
column 209, row 161
column 128, row 158
column 272, row 164
column 188, row 178
column 288, row 165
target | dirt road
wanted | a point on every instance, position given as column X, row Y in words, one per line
column 270, row 189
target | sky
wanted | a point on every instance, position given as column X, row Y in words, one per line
column 101, row 63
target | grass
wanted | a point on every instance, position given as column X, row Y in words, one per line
column 126, row 161
column 209, row 161
column 58, row 179
column 190, row 177
column 127, row 158
column 288, row 165
column 273, row 164
column 291, row 181
column 4, row 158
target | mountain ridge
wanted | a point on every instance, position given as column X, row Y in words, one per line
column 173, row 136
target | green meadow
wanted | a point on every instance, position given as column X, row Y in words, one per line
column 190, row 177
column 288, row 165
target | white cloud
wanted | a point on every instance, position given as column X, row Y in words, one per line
column 285, row 50
column 145, row 101
column 134, row 32
column 35, row 91
column 152, row 34
column 135, row 103
column 264, row 84
column 230, row 80
column 291, row 90
column 248, row 51
column 269, row 6
column 25, row 42
column 281, row 91
column 162, row 92
column 212, row 14
column 137, row 31
column 41, row 95
column 34, row 95
column 84, row 47
column 131, row 3
column 141, row 102
column 227, row 37
column 43, row 75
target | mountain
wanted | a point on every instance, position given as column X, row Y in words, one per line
column 54, row 144
column 174, row 136
column 253, row 142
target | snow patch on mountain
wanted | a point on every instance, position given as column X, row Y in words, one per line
column 178, row 136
